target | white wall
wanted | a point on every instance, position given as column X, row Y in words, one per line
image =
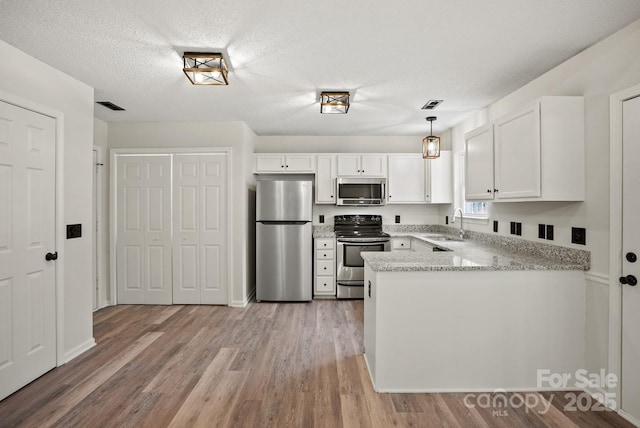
column 205, row 134
column 605, row 68
column 36, row 82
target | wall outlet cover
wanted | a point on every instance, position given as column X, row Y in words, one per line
column 397, row 219
column 512, row 227
column 519, row 229
column 550, row 232
column 74, row 231
column 579, row 235
column 446, row 219
column 495, row 225
column 321, row 218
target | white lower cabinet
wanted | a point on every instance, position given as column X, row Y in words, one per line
column 324, row 267
column 400, row 244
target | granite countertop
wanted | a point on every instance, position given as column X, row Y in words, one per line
column 503, row 253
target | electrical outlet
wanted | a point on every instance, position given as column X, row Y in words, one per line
column 321, row 218
column 512, row 227
column 550, row 232
column 519, row 229
column 542, row 231
column 579, row 235
column 74, row 231
column 397, row 219
column 446, row 219
column 495, row 225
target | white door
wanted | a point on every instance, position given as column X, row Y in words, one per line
column 630, row 374
column 374, row 165
column 143, row 248
column 199, row 229
column 27, row 234
column 348, row 165
column 95, row 229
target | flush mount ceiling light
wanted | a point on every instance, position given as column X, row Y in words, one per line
column 205, row 68
column 334, row 102
column 431, row 144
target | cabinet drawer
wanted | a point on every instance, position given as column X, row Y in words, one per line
column 401, row 243
column 325, row 267
column 324, row 254
column 325, row 284
column 324, row 243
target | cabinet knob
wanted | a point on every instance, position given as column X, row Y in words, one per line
column 325, row 244
column 332, row 196
column 287, row 166
column 281, row 166
column 488, row 190
column 495, row 190
column 325, row 268
column 402, row 244
column 363, row 171
column 389, row 196
column 427, row 196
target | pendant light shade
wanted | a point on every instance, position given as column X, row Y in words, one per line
column 431, row 144
column 205, row 68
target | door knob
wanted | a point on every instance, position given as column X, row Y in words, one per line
column 628, row 280
column 631, row 257
column 51, row 256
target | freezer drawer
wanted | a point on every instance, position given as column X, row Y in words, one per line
column 283, row 262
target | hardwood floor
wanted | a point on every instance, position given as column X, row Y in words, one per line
column 267, row 365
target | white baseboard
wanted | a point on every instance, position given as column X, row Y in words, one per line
column 78, row 350
column 630, row 418
column 243, row 303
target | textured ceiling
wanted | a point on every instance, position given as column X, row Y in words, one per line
column 392, row 56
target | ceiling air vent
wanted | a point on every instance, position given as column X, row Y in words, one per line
column 110, row 105
column 431, row 104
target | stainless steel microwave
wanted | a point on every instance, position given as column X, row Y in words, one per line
column 361, row 191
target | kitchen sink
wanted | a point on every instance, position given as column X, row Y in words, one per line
column 442, row 238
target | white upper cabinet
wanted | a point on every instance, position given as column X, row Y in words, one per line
column 374, row 165
column 517, row 154
column 294, row 163
column 538, row 154
column 479, row 164
column 438, row 178
column 326, row 179
column 413, row 180
column 405, row 180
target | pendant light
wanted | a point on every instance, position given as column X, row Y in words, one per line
column 431, row 144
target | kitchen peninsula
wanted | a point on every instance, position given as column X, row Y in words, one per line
column 483, row 314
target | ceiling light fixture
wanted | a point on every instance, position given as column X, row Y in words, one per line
column 334, row 102
column 431, row 144
column 205, row 68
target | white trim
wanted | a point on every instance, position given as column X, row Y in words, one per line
column 245, row 302
column 113, row 155
column 598, row 278
column 59, row 201
column 630, row 418
column 615, row 232
column 471, row 219
column 100, row 256
column 79, row 350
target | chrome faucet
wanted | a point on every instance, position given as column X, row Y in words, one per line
column 453, row 219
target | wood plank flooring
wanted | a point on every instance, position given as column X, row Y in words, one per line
column 266, row 365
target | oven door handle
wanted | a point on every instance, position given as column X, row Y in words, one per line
column 362, row 243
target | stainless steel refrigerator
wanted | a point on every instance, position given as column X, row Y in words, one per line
column 284, row 245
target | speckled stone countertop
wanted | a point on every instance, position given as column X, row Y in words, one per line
column 323, row 232
column 476, row 253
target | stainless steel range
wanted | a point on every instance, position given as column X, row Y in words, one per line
column 356, row 234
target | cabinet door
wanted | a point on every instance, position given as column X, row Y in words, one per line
column 406, row 179
column 348, row 165
column 374, row 165
column 517, row 145
column 325, row 179
column 300, row 163
column 270, row 163
column 439, row 179
column 479, row 164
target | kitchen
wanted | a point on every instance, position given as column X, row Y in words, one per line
column 581, row 75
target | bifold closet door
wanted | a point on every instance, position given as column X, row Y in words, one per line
column 199, row 229
column 143, row 250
